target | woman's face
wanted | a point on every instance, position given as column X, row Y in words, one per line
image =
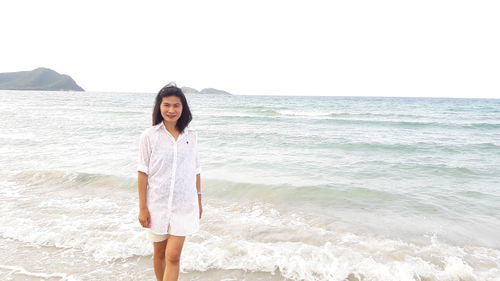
column 171, row 109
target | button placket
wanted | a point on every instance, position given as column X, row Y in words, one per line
column 172, row 181
column 174, row 169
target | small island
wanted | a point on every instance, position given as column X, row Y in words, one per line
column 205, row 91
column 43, row 79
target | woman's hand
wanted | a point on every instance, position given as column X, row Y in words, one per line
column 144, row 217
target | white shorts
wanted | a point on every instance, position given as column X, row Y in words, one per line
column 153, row 237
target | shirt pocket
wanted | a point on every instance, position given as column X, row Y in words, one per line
column 186, row 154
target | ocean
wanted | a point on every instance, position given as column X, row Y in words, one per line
column 295, row 188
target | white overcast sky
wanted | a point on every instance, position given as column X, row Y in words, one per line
column 359, row 48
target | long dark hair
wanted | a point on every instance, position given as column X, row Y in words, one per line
column 172, row 90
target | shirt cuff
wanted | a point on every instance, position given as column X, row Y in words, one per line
column 198, row 170
column 142, row 168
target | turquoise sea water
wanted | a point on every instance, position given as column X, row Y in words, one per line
column 296, row 188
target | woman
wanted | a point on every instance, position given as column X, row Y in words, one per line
column 169, row 181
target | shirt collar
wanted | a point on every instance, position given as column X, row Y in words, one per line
column 161, row 125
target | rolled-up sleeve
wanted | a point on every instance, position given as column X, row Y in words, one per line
column 144, row 153
column 198, row 166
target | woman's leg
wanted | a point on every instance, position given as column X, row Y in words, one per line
column 159, row 258
column 173, row 256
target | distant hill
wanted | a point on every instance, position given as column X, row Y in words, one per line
column 43, row 79
column 187, row 90
column 213, row 91
column 206, row 91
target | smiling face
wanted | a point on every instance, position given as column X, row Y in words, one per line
column 171, row 109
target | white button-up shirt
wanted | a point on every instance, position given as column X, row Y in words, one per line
column 171, row 166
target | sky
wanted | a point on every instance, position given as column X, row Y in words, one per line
column 339, row 48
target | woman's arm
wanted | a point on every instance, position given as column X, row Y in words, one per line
column 142, row 184
column 198, row 183
column 198, row 188
column 142, row 178
column 198, row 174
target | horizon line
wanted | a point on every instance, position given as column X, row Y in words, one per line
column 266, row 95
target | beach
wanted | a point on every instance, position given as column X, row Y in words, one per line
column 295, row 188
